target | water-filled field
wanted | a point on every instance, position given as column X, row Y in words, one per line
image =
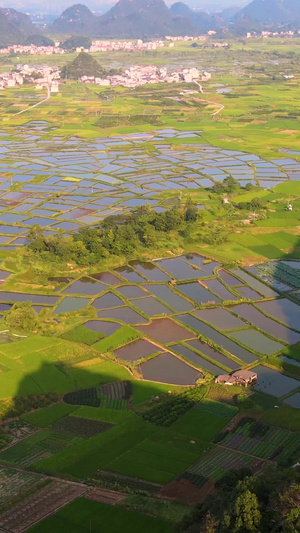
column 273, row 382
column 130, row 314
column 64, row 184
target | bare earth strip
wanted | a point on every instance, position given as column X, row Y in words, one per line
column 105, row 496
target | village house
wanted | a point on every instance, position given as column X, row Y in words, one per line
column 241, row 377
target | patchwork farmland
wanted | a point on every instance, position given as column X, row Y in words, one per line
column 116, row 396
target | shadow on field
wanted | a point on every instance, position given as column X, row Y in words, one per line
column 53, row 380
column 286, row 309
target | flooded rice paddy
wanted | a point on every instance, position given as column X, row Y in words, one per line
column 294, row 400
column 64, row 185
column 257, row 341
column 220, row 318
column 273, row 382
column 283, row 310
column 181, row 317
column 196, row 359
column 165, row 330
column 136, row 350
column 166, row 368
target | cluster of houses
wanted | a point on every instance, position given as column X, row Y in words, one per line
column 138, row 75
column 10, row 79
column 105, row 46
column 39, row 75
column 97, row 46
column 267, row 34
column 31, row 49
column 187, row 38
column 210, row 33
column 220, row 45
column 241, row 377
column 128, row 46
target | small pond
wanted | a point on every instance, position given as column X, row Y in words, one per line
column 136, row 350
column 197, row 293
column 164, row 330
column 166, row 368
column 86, row 286
column 150, row 306
column 149, row 270
column 220, row 318
column 102, row 326
column 108, row 301
column 124, row 314
column 71, row 304
column 165, row 294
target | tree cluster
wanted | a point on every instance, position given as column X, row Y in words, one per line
column 244, row 503
column 228, row 185
column 116, row 235
column 255, row 203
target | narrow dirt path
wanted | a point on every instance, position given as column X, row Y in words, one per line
column 221, row 106
column 35, row 105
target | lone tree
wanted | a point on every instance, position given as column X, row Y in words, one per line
column 22, row 317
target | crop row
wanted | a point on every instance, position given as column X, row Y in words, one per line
column 262, row 449
column 277, row 436
column 291, row 447
column 217, row 408
column 264, row 433
column 285, row 273
column 55, row 442
column 216, row 462
column 121, row 390
column 13, row 483
column 32, row 456
column 167, row 412
column 107, row 403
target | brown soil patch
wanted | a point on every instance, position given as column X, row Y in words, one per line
column 184, row 491
column 288, row 132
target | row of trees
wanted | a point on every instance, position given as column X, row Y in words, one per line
column 116, row 235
